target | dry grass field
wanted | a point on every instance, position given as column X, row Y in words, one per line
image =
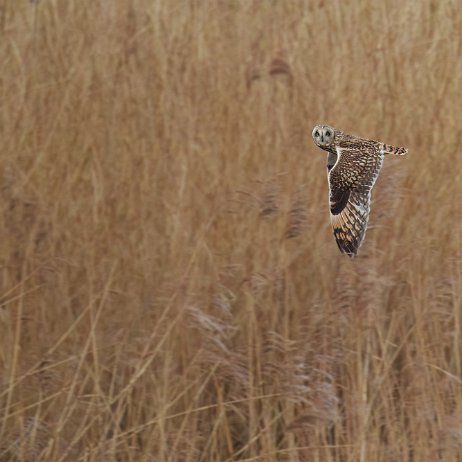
column 170, row 286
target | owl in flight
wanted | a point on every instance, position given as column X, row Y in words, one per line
column 353, row 165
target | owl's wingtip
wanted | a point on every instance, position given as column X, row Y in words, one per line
column 346, row 247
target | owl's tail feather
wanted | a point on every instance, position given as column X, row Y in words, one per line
column 396, row 150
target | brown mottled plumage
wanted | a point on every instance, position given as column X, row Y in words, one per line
column 353, row 165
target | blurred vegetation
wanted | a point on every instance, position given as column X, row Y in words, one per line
column 171, row 289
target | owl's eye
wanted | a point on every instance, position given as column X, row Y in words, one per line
column 316, row 133
column 327, row 133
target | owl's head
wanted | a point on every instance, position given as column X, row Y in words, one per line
column 323, row 135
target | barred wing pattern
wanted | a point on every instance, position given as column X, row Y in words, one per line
column 351, row 179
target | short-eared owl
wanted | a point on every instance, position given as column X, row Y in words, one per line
column 353, row 165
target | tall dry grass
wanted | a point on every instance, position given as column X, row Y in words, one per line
column 171, row 290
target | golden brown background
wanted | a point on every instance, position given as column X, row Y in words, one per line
column 171, row 289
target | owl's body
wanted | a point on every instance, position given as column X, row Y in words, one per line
column 353, row 165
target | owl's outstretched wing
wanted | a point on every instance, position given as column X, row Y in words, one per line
column 350, row 183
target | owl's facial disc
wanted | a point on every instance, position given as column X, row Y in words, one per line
column 323, row 135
